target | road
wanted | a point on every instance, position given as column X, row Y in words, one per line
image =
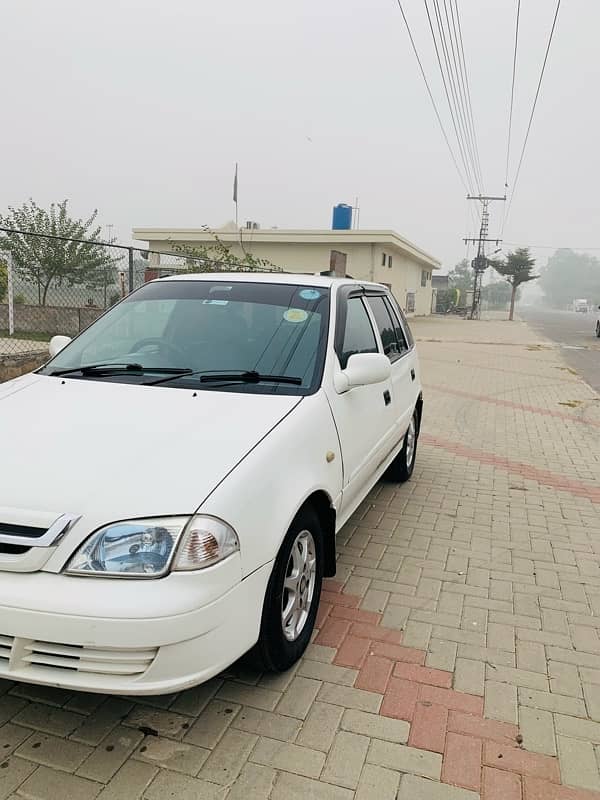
column 574, row 333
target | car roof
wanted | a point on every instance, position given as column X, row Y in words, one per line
column 292, row 278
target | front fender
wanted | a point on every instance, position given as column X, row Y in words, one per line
column 264, row 492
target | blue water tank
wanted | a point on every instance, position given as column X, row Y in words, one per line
column 342, row 217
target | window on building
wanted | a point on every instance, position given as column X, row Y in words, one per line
column 410, row 302
column 424, row 277
column 383, row 260
column 358, row 332
column 389, row 261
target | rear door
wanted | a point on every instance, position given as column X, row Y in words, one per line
column 365, row 416
column 399, row 348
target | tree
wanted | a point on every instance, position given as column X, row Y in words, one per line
column 569, row 275
column 461, row 278
column 497, row 294
column 516, row 269
column 46, row 262
column 3, row 279
column 204, row 258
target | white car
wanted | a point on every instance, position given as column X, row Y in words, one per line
column 173, row 479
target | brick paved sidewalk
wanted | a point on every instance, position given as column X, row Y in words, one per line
column 458, row 651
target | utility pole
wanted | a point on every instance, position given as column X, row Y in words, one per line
column 480, row 262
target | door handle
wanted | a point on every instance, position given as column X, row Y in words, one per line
column 412, row 375
column 387, row 397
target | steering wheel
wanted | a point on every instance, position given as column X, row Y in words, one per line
column 162, row 344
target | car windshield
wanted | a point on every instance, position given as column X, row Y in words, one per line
column 251, row 332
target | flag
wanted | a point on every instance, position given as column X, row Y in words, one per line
column 235, row 184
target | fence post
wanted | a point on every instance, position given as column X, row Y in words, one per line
column 131, row 275
column 11, row 297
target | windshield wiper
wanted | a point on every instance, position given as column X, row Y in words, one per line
column 116, row 368
column 242, row 376
column 250, row 376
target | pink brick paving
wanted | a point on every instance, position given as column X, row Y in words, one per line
column 542, row 476
column 478, row 754
column 496, row 401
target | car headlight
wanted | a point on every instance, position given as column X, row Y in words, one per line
column 149, row 548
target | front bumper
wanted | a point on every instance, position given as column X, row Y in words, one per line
column 138, row 649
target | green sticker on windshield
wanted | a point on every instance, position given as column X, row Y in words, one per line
column 295, row 315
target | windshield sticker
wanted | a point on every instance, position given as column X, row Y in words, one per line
column 295, row 315
column 310, row 294
column 215, row 302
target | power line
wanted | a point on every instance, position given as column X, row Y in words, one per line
column 512, row 91
column 537, row 94
column 458, row 80
column 467, row 84
column 551, row 246
column 451, row 84
column 510, row 113
column 459, row 138
column 435, row 108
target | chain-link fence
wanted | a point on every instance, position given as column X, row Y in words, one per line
column 61, row 292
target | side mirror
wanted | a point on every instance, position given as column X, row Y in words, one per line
column 362, row 369
column 57, row 343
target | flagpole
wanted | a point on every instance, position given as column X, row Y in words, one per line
column 235, row 194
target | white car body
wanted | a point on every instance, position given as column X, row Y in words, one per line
column 101, row 451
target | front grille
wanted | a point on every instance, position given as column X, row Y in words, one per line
column 6, row 644
column 29, row 531
column 39, row 655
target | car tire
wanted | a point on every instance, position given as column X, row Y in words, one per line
column 299, row 564
column 401, row 468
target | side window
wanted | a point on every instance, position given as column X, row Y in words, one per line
column 400, row 336
column 358, row 332
column 400, row 316
column 385, row 326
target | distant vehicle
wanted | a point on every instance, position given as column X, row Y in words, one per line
column 598, row 323
column 581, row 305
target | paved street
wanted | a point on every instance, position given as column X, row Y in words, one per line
column 575, row 333
column 458, row 651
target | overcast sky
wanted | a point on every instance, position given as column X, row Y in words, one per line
column 140, row 108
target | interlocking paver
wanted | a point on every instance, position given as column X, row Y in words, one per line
column 405, row 759
column 377, row 782
column 228, row 758
column 346, row 758
column 537, row 729
column 320, row 726
column 288, row 757
column 415, row 788
column 481, row 574
column 182, row 787
column 578, row 764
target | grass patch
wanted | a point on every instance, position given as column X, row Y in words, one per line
column 33, row 336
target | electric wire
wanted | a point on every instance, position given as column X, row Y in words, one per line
column 510, row 113
column 463, row 178
column 467, row 86
column 459, row 139
column 460, row 92
column 537, row 94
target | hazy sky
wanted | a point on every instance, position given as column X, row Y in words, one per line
column 141, row 108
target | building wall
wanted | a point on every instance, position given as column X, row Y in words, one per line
column 364, row 262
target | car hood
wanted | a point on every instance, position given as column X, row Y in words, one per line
column 111, row 451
